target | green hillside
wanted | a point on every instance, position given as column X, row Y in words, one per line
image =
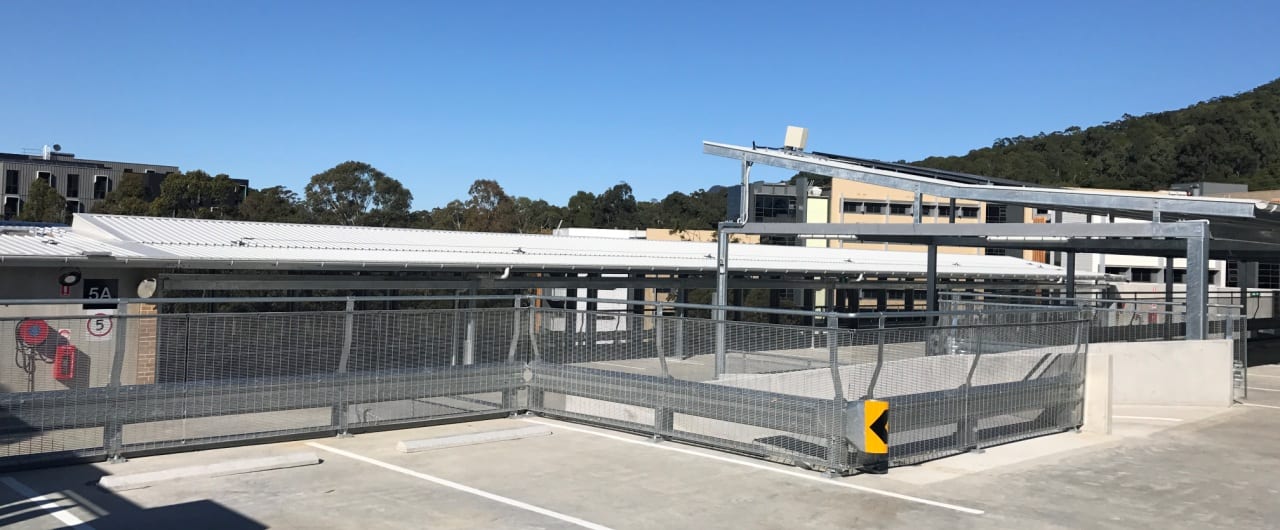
column 1227, row 139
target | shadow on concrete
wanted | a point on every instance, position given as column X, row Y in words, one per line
column 77, row 486
column 1264, row 351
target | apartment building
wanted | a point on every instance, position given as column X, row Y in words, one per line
column 82, row 182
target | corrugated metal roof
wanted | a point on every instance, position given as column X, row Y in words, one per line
column 46, row 242
column 200, row 243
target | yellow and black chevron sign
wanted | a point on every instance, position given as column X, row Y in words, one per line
column 875, row 418
column 867, row 425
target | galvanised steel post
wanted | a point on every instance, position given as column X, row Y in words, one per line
column 838, row 442
column 931, row 280
column 1071, row 278
column 1197, row 280
column 469, row 343
column 722, row 297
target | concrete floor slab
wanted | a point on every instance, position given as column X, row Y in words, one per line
column 1209, row 470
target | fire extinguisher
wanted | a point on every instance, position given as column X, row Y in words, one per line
column 64, row 362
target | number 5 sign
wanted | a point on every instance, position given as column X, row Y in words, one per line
column 99, row 325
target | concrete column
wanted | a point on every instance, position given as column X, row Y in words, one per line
column 1098, row 391
column 917, row 206
column 952, row 217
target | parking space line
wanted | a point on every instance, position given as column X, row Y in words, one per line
column 461, row 487
column 1251, row 374
column 616, row 365
column 1264, row 389
column 795, row 474
column 1152, row 418
column 1259, row 406
column 58, row 512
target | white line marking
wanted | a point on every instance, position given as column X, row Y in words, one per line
column 795, row 474
column 1265, row 389
column 626, row 366
column 461, row 487
column 1153, row 418
column 1264, row 375
column 58, row 512
column 1260, row 406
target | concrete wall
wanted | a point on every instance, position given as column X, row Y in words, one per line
column 1197, row 373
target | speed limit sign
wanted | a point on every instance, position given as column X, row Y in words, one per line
column 99, row 325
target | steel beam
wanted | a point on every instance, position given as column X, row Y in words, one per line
column 1029, row 230
column 1042, row 197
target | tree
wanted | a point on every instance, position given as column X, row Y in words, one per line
column 356, row 193
column 489, row 209
column 536, row 217
column 43, row 205
column 128, row 198
column 195, row 194
column 616, row 208
column 276, row 204
column 581, row 209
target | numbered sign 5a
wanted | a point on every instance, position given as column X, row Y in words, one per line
column 100, row 290
column 100, row 325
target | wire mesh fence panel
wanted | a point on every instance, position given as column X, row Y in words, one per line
column 53, row 366
column 143, row 381
column 783, row 389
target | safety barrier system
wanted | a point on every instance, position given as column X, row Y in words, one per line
column 1132, row 319
column 171, row 374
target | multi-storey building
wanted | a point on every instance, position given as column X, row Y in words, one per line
column 81, row 181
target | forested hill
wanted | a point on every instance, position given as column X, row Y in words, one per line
column 1227, row 139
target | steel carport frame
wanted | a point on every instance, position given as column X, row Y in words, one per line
column 1243, row 229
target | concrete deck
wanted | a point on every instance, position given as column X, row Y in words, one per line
column 1163, row 468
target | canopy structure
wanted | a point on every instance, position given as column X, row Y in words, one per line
column 1198, row 228
column 187, row 250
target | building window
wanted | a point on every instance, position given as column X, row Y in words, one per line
column 930, row 211
column 74, row 207
column 852, row 207
column 900, row 209
column 11, row 179
column 1042, row 211
column 101, row 186
column 1142, row 275
column 873, row 207
column 774, row 206
column 48, row 178
column 997, row 213
column 968, row 212
column 997, row 252
column 73, row 186
column 12, row 207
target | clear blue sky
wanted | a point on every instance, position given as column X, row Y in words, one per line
column 552, row 97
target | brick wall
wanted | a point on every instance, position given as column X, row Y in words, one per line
column 146, row 343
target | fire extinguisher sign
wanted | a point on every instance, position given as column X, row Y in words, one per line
column 99, row 325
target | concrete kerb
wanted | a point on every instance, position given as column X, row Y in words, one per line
column 459, row 440
column 230, row 467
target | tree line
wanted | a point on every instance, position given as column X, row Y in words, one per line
column 358, row 194
column 1233, row 139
